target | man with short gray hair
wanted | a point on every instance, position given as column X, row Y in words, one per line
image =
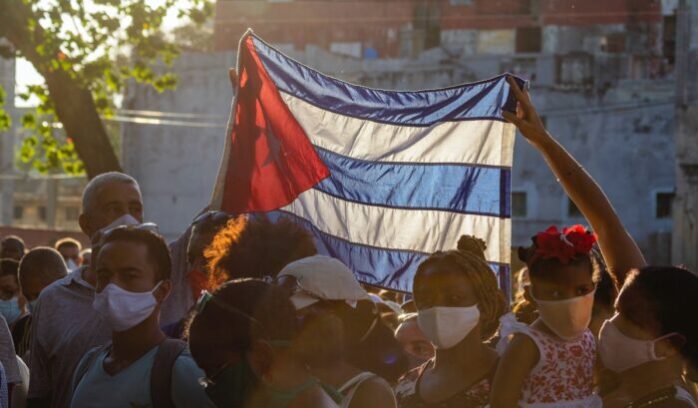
column 65, row 326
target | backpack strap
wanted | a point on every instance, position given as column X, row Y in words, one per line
column 161, row 374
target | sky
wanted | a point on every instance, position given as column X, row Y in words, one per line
column 25, row 74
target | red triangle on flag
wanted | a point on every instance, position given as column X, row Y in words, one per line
column 271, row 161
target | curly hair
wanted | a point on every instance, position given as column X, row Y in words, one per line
column 256, row 247
column 469, row 258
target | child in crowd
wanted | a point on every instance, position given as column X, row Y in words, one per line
column 562, row 285
column 459, row 305
column 552, row 360
column 10, row 307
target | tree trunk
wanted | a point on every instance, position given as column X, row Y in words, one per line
column 74, row 104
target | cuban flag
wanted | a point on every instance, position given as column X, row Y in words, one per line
column 380, row 178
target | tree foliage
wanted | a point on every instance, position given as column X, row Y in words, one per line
column 86, row 51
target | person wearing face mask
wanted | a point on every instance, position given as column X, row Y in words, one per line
column 40, row 267
column 326, row 295
column 70, row 249
column 564, row 301
column 198, row 276
column 458, row 304
column 651, row 343
column 64, row 324
column 244, row 337
column 140, row 366
column 551, row 362
column 416, row 345
column 9, row 291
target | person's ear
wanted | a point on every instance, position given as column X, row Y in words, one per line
column 84, row 222
column 669, row 345
column 528, row 296
column 261, row 358
column 163, row 290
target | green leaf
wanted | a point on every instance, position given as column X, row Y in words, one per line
column 28, row 120
column 5, row 120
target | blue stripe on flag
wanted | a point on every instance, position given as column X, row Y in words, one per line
column 388, row 268
column 448, row 187
column 479, row 100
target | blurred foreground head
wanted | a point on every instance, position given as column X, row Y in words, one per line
column 242, row 333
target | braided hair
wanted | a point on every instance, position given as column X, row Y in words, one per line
column 469, row 258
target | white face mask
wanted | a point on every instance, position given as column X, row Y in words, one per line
column 445, row 327
column 620, row 353
column 126, row 219
column 568, row 318
column 122, row 309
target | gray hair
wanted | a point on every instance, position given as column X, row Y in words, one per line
column 95, row 186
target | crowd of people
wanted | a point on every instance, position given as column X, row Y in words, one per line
column 242, row 311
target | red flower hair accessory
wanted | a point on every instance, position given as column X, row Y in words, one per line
column 563, row 246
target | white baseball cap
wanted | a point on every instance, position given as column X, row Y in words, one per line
column 320, row 277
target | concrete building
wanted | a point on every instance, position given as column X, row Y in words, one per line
column 686, row 220
column 7, row 142
column 29, row 200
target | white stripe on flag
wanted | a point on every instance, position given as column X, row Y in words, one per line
column 477, row 142
column 413, row 230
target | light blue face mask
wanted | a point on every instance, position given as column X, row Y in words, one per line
column 10, row 310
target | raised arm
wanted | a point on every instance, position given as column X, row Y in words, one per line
column 619, row 249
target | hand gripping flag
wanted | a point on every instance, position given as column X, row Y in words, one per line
column 380, row 178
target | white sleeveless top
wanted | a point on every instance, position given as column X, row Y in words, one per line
column 349, row 388
column 564, row 375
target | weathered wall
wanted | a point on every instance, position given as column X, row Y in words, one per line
column 686, row 209
column 7, row 140
column 176, row 163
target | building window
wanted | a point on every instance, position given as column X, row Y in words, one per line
column 614, row 43
column 664, row 202
column 519, row 204
column 575, row 70
column 18, row 212
column 572, row 210
column 72, row 213
column 529, row 39
column 41, row 210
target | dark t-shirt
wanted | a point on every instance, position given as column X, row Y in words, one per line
column 20, row 334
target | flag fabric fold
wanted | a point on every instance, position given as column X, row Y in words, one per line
column 380, row 178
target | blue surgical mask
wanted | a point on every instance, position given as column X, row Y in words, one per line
column 10, row 310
